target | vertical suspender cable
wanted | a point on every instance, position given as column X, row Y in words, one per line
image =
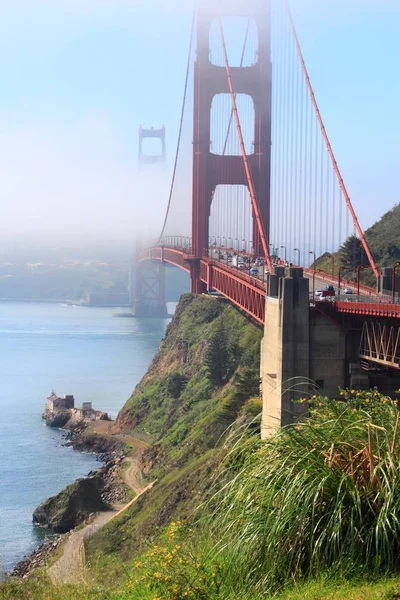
column 316, row 203
column 297, row 168
column 327, row 201
column 282, row 137
column 301, row 167
column 286, row 206
column 305, row 164
column 291, row 154
column 321, row 195
column 328, row 146
column 277, row 142
column 310, row 194
column 333, row 211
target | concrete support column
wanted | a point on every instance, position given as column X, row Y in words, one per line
column 285, row 348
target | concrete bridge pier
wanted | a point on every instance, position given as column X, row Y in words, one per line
column 302, row 348
column 285, row 364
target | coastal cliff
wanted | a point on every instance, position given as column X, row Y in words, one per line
column 203, row 378
column 72, row 506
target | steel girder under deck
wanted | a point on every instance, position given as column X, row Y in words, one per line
column 380, row 343
column 246, row 292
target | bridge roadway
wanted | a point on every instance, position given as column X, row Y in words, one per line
column 247, row 291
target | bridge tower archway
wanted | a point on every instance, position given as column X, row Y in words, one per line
column 210, row 80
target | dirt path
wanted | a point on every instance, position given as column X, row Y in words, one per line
column 132, row 475
column 70, row 567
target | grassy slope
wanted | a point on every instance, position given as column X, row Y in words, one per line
column 186, row 404
column 40, row 588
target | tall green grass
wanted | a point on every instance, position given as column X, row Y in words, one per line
column 320, row 496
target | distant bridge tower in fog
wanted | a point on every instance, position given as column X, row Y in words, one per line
column 151, row 159
column 147, row 282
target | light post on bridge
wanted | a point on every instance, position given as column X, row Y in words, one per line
column 359, row 269
column 313, row 274
column 271, row 249
column 236, row 245
column 284, row 247
column 298, row 259
column 396, row 264
column 244, row 245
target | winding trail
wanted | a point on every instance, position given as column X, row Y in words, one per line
column 70, row 567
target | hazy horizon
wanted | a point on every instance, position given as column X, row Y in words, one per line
column 80, row 76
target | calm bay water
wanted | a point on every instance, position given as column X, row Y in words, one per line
column 88, row 352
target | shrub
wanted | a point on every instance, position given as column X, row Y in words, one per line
column 321, row 496
column 171, row 571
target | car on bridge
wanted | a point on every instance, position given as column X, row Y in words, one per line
column 347, row 291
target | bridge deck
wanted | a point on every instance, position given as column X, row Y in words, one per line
column 247, row 291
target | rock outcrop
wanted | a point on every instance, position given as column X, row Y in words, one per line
column 72, row 506
column 57, row 418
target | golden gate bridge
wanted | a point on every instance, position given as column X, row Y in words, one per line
column 263, row 177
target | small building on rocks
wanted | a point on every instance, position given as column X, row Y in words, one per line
column 55, row 403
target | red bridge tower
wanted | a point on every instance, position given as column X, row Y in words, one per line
column 210, row 170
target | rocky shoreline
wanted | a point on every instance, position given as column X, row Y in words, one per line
column 106, row 479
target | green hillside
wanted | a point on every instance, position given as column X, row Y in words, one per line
column 199, row 382
column 383, row 239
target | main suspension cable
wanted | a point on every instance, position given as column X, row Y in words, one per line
column 260, row 225
column 180, row 127
column 328, row 145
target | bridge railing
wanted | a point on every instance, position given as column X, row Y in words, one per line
column 375, row 299
column 354, row 299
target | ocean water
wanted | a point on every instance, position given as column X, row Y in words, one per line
column 88, row 352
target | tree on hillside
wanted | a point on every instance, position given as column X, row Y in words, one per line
column 352, row 253
column 220, row 357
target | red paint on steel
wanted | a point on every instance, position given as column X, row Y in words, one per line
column 248, row 293
column 373, row 309
column 254, row 202
column 209, row 169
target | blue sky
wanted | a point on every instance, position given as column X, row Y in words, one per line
column 79, row 76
